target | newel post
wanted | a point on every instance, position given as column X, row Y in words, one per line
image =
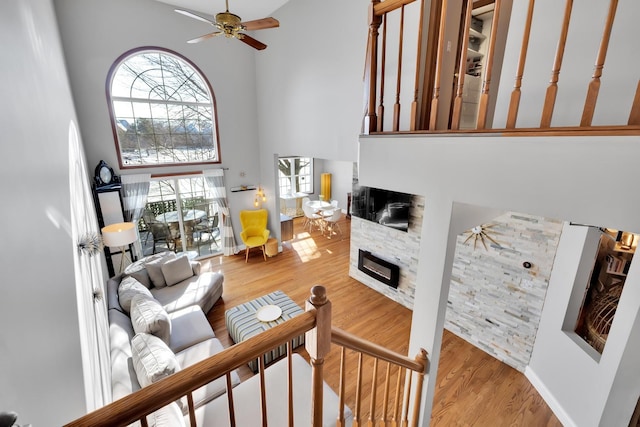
column 318, row 344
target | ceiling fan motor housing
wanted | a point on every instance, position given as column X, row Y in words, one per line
column 229, row 23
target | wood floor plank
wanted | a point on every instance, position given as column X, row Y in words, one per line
column 472, row 389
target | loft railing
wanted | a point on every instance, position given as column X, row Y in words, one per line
column 315, row 322
column 433, row 109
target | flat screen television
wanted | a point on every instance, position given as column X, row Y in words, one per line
column 388, row 208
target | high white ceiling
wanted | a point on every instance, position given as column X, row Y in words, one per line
column 247, row 9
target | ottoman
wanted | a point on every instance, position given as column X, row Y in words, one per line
column 243, row 323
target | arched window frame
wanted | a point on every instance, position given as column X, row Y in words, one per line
column 208, row 153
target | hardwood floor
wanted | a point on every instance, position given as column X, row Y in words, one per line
column 473, row 388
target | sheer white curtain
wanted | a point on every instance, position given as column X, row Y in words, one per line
column 215, row 181
column 135, row 189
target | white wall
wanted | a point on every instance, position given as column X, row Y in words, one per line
column 309, row 80
column 310, row 93
column 40, row 356
column 553, row 177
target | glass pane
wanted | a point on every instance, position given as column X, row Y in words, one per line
column 182, row 209
column 154, row 132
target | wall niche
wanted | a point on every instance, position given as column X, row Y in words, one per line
column 615, row 253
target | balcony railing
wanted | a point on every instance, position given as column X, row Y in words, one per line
column 437, row 84
column 400, row 408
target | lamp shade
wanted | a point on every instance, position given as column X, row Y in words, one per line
column 119, row 234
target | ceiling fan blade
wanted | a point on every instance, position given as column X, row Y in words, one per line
column 261, row 24
column 194, row 16
column 252, row 42
column 206, row 36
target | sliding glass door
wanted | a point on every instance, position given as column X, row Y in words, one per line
column 180, row 216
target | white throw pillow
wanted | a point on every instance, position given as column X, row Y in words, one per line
column 154, row 269
column 152, row 359
column 128, row 288
column 176, row 270
column 139, row 272
column 148, row 316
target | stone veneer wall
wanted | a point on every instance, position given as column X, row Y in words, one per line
column 494, row 302
column 398, row 247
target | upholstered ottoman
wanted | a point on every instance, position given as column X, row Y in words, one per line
column 243, row 323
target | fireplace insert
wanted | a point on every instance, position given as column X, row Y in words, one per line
column 379, row 269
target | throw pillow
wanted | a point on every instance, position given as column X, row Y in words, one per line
column 154, row 268
column 176, row 270
column 128, row 288
column 138, row 271
column 148, row 316
column 152, row 359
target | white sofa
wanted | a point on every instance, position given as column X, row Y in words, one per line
column 177, row 314
column 178, row 335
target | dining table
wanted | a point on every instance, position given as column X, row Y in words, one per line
column 189, row 218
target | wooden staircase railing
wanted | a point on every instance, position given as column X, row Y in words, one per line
column 432, row 106
column 315, row 322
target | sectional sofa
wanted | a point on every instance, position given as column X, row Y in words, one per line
column 157, row 323
column 157, row 326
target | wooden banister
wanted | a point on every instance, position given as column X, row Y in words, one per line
column 483, row 106
column 353, row 342
column 552, row 90
column 380, row 8
column 594, row 85
column 462, row 68
column 149, row 399
column 514, row 104
column 435, row 99
column 317, row 342
column 315, row 323
column 396, row 106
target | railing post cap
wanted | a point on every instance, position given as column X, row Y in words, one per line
column 318, row 295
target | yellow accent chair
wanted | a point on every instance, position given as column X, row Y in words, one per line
column 254, row 230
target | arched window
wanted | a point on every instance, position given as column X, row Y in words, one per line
column 162, row 110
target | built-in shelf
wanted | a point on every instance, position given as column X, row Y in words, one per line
column 474, row 33
column 243, row 188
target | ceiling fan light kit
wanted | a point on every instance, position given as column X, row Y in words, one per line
column 230, row 25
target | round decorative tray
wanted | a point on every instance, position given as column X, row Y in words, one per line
column 268, row 313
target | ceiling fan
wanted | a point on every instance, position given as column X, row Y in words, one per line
column 231, row 26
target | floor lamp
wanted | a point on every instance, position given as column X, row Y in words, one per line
column 120, row 235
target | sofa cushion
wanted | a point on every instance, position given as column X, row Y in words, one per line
column 130, row 287
column 189, row 326
column 210, row 391
column 203, row 290
column 176, row 270
column 154, row 264
column 123, row 377
column 138, row 271
column 152, row 359
column 148, row 316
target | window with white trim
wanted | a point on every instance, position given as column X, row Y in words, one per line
column 162, row 110
column 295, row 175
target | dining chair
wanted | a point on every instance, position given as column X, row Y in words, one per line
column 311, row 218
column 209, row 227
column 332, row 222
